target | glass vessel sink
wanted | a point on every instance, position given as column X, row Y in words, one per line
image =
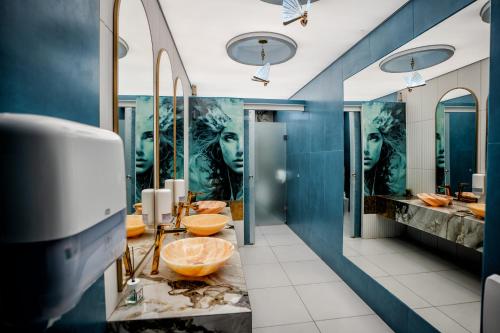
column 210, row 207
column 479, row 210
column 205, row 224
column 197, row 256
column 134, row 225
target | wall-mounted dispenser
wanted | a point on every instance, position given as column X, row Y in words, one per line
column 63, row 214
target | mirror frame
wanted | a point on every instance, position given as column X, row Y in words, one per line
column 477, row 128
column 120, row 262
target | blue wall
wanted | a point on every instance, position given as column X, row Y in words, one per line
column 315, row 154
column 49, row 65
column 49, row 58
column 491, row 258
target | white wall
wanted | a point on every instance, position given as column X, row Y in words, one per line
column 420, row 121
column 161, row 39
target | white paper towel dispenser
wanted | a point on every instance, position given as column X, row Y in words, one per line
column 63, row 213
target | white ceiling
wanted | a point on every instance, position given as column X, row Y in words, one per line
column 136, row 68
column 464, row 30
column 201, row 30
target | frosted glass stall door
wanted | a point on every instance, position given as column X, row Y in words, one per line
column 270, row 173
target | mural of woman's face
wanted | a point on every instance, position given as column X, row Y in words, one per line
column 440, row 154
column 144, row 144
column 231, row 144
column 373, row 146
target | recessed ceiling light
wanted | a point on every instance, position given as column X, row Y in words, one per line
column 423, row 57
column 280, row 2
column 485, row 12
column 122, row 48
column 247, row 48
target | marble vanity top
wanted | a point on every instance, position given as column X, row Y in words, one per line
column 456, row 208
column 454, row 223
column 170, row 295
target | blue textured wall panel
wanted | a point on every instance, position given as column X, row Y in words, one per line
column 49, row 58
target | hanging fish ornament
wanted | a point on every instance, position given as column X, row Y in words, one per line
column 292, row 11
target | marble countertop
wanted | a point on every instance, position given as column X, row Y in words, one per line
column 171, row 295
column 457, row 208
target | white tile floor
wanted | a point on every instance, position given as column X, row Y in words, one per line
column 443, row 294
column 291, row 290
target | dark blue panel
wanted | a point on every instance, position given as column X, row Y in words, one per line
column 394, row 32
column 354, row 59
column 491, row 258
column 89, row 316
column 428, row 13
column 49, row 58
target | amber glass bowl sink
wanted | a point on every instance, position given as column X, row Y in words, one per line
column 435, row 200
column 210, row 207
column 477, row 209
column 134, row 225
column 197, row 256
column 205, row 224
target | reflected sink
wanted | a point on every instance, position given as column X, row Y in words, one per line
column 198, row 256
column 205, row 224
column 435, row 200
column 134, row 225
column 477, row 209
column 210, row 207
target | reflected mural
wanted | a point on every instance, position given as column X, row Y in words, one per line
column 384, row 148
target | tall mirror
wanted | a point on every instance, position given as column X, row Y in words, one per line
column 404, row 140
column 166, row 117
column 456, row 141
column 134, row 121
column 179, row 130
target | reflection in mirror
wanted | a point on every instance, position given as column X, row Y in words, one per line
column 179, row 130
column 427, row 257
column 456, row 141
column 134, row 78
column 166, row 122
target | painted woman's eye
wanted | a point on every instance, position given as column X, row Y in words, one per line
column 230, row 137
column 374, row 137
column 148, row 136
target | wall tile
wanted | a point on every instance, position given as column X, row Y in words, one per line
column 470, row 77
column 106, row 12
column 428, row 143
column 430, row 99
column 485, row 83
column 446, row 83
column 106, row 78
column 414, row 105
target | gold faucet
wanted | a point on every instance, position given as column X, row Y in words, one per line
column 162, row 229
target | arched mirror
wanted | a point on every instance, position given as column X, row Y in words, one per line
column 133, row 119
column 179, row 130
column 166, row 118
column 456, row 141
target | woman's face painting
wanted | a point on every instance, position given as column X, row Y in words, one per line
column 231, row 144
column 144, row 144
column 440, row 153
column 373, row 146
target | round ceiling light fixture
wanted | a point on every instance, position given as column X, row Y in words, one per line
column 421, row 57
column 280, row 2
column 122, row 48
column 247, row 48
column 485, row 12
